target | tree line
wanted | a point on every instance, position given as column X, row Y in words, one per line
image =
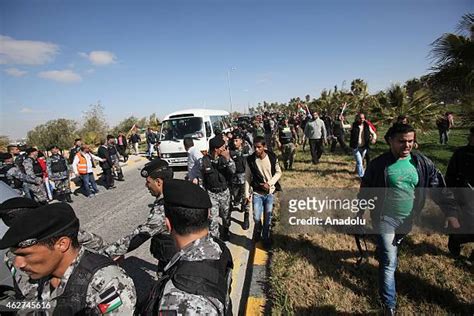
column 450, row 81
column 62, row 132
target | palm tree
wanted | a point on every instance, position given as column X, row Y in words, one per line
column 419, row 109
column 453, row 56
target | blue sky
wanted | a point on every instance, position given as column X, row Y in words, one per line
column 143, row 57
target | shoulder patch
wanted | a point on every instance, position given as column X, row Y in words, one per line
column 110, row 300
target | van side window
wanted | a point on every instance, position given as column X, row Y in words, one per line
column 216, row 124
column 208, row 129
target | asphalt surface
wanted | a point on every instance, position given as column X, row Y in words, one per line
column 115, row 213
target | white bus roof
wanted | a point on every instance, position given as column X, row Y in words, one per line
column 197, row 112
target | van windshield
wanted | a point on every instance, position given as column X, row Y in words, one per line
column 179, row 128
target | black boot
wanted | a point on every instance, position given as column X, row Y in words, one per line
column 68, row 198
column 225, row 234
column 60, row 197
column 246, row 224
column 454, row 246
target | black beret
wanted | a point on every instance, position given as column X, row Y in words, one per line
column 18, row 202
column 216, row 142
column 157, row 168
column 186, row 194
column 5, row 156
column 36, row 224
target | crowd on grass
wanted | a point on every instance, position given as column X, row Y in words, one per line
column 240, row 172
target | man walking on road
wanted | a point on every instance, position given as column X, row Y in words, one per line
column 82, row 166
column 262, row 174
column 315, row 131
column 106, row 164
column 135, row 140
column 194, row 161
column 151, row 139
column 217, row 170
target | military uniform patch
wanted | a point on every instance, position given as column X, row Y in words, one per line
column 110, row 300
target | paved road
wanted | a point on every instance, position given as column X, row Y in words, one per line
column 114, row 213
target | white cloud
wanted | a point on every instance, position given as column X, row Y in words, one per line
column 23, row 52
column 100, row 57
column 65, row 76
column 26, row 110
column 15, row 72
column 90, row 71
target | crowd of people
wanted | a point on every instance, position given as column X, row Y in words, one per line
column 190, row 218
column 45, row 176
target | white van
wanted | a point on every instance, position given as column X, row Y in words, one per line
column 200, row 124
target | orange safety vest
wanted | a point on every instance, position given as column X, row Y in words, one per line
column 82, row 165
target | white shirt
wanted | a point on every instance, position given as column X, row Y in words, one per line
column 194, row 163
column 88, row 157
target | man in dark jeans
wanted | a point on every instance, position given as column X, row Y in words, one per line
column 361, row 138
column 338, row 134
column 122, row 146
column 106, row 165
column 460, row 176
column 443, row 125
column 406, row 177
column 315, row 131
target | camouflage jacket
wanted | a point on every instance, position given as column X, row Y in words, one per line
column 26, row 286
column 110, row 281
column 185, row 303
column 57, row 158
column 155, row 224
column 31, row 177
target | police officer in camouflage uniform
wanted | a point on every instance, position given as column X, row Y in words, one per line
column 286, row 138
column 58, row 173
column 34, row 180
column 70, row 279
column 217, row 170
column 241, row 150
column 114, row 156
column 197, row 280
column 162, row 246
column 11, row 174
column 13, row 207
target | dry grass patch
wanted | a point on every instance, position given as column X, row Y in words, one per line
column 316, row 274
